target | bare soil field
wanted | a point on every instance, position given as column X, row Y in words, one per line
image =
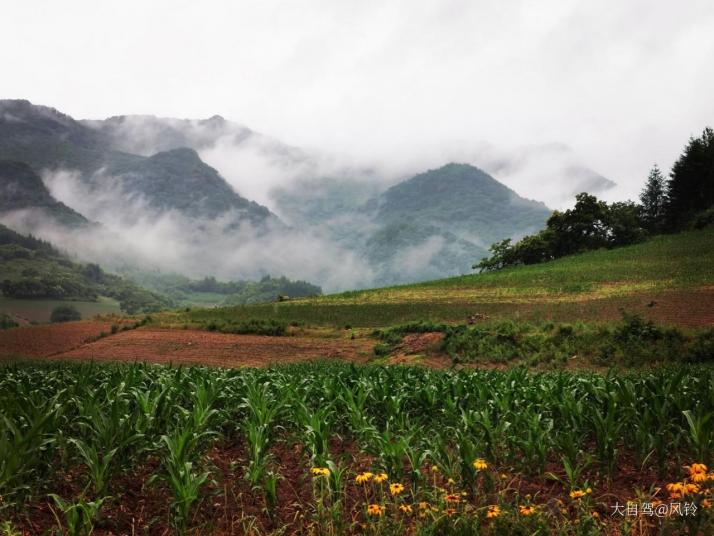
column 49, row 339
column 217, row 349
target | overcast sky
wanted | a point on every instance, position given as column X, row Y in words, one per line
column 623, row 82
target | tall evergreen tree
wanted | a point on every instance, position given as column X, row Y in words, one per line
column 690, row 188
column 653, row 199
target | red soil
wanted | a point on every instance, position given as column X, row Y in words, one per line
column 218, row 349
column 49, row 339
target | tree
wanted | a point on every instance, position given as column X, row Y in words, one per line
column 590, row 224
column 653, row 199
column 690, row 188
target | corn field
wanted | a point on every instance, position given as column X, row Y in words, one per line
column 325, row 448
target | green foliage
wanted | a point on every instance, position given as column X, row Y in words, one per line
column 7, row 322
column 704, row 219
column 591, row 224
column 79, row 516
column 252, row 326
column 403, row 418
column 65, row 313
column 690, row 188
column 633, row 342
column 653, row 201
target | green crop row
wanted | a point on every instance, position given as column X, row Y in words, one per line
column 103, row 422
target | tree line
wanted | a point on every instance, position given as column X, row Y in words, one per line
column 667, row 205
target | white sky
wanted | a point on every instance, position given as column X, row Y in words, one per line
column 623, row 82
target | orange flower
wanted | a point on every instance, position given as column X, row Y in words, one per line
column 691, row 488
column 406, row 508
column 376, row 510
column 450, row 511
column 527, row 510
column 452, row 498
column 699, row 477
column 493, row 511
column 697, row 468
column 577, row 494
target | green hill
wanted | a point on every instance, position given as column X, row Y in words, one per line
column 34, row 269
column 667, row 278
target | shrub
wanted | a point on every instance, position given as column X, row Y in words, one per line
column 702, row 348
column 7, row 322
column 65, row 313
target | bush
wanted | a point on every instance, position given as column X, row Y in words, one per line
column 702, row 348
column 65, row 313
column 7, row 322
column 253, row 327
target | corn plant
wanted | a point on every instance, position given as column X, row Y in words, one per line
column 79, row 516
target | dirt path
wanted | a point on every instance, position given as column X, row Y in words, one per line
column 218, row 349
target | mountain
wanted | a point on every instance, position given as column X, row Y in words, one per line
column 178, row 179
column 22, row 189
column 44, row 138
column 172, row 179
column 437, row 222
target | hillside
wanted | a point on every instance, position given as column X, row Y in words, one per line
column 34, row 269
column 22, row 189
column 667, row 278
column 179, row 180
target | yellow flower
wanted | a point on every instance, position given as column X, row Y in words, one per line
column 589, row 491
column 376, row 509
column 577, row 494
column 527, row 510
column 423, row 505
column 396, row 488
column 381, row 477
column 450, row 511
column 493, row 511
column 320, row 471
column 596, row 515
column 452, row 498
column 480, row 464
column 451, row 481
column 434, row 469
column 406, row 508
column 697, row 468
column 363, row 477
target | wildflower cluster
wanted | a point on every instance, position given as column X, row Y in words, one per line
column 698, row 486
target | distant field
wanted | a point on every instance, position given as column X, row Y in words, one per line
column 668, row 279
column 40, row 310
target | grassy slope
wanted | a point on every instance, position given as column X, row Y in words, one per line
column 592, row 285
